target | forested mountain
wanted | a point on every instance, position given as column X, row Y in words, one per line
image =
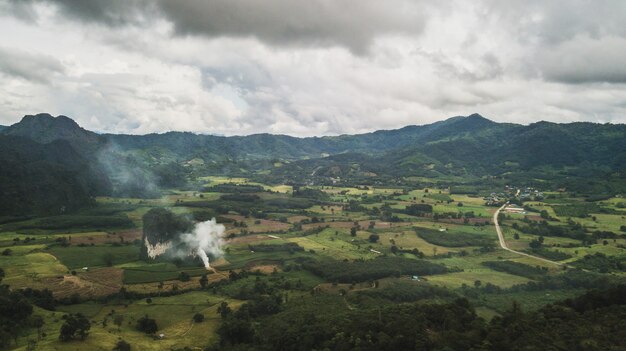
column 44, row 128
column 45, row 178
column 459, row 147
column 263, row 146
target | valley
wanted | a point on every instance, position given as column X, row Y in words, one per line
column 301, row 237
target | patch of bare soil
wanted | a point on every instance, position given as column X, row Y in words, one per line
column 93, row 283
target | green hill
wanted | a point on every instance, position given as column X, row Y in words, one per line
column 47, row 178
column 584, row 156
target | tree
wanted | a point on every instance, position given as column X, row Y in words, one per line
column 15, row 312
column 516, row 236
column 76, row 325
column 121, row 346
column 223, row 309
column 183, row 277
column 233, row 331
column 37, row 323
column 373, row 238
column 198, row 317
column 147, row 325
column 353, row 231
column 535, row 244
column 204, row 281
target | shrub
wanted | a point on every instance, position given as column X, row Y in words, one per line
column 147, row 325
column 198, row 317
column 122, row 346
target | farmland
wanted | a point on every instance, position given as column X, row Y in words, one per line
column 281, row 252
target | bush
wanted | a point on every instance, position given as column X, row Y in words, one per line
column 183, row 277
column 147, row 325
column 358, row 271
column 288, row 247
column 240, row 197
column 601, row 263
column 75, row 325
column 402, row 291
column 452, row 240
column 516, row 268
column 549, row 254
column 122, row 346
column 198, row 317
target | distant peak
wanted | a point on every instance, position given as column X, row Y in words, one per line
column 48, row 119
column 477, row 116
column 44, row 128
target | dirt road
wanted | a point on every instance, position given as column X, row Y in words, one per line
column 505, row 247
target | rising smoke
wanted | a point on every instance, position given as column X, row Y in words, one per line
column 128, row 177
column 205, row 239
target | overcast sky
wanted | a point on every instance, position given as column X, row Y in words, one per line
column 311, row 67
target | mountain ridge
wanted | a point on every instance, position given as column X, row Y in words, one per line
column 460, row 148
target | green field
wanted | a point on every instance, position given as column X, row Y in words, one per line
column 272, row 250
column 93, row 256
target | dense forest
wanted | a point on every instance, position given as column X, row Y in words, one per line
column 593, row 321
column 468, row 147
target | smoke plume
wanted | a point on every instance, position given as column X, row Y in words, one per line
column 205, row 240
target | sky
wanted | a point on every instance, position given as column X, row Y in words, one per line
column 314, row 67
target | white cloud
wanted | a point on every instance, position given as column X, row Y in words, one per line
column 141, row 72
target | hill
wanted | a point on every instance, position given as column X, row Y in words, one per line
column 587, row 157
column 44, row 128
column 47, row 178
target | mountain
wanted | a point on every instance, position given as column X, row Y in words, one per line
column 458, row 149
column 474, row 142
column 264, row 146
column 181, row 146
column 575, row 155
column 45, row 178
column 2, row 127
column 44, row 128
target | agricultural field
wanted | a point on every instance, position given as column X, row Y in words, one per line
column 284, row 248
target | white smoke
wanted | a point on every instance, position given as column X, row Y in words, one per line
column 205, row 239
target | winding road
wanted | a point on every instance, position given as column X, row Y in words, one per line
column 505, row 247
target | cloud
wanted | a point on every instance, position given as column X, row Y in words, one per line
column 110, row 12
column 314, row 23
column 309, row 68
column 19, row 9
column 586, row 60
column 34, row 67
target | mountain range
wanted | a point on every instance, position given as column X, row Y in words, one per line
column 457, row 149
